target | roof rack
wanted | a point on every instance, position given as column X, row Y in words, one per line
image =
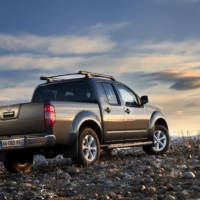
column 87, row 74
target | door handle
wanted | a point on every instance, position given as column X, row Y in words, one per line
column 127, row 111
column 108, row 110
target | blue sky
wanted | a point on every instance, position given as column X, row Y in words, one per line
column 152, row 45
column 155, row 19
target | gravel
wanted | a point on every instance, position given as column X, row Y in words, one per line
column 124, row 174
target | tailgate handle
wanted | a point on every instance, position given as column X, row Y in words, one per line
column 8, row 114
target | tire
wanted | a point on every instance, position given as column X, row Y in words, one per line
column 19, row 162
column 161, row 140
column 88, row 148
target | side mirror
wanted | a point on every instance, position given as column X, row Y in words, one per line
column 144, row 100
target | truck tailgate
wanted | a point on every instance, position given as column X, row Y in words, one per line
column 19, row 119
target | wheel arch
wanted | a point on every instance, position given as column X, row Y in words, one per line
column 162, row 122
column 92, row 124
column 157, row 118
column 87, row 119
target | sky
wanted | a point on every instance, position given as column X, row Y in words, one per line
column 151, row 45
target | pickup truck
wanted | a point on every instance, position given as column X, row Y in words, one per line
column 79, row 117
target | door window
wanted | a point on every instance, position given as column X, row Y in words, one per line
column 128, row 96
column 110, row 93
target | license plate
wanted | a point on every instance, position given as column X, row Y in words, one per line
column 12, row 143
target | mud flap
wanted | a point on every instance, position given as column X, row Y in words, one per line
column 72, row 150
column 3, row 156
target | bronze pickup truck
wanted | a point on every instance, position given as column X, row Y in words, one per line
column 78, row 117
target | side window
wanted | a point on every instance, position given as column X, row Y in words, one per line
column 128, row 96
column 110, row 93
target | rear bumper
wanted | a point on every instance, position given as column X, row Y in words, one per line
column 27, row 142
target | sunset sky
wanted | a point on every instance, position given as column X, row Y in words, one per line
column 151, row 45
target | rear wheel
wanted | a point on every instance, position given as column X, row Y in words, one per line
column 19, row 161
column 88, row 147
column 161, row 141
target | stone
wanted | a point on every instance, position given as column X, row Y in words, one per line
column 107, row 196
column 182, row 166
column 73, row 170
column 152, row 190
column 142, row 188
column 117, row 178
column 185, row 193
column 98, row 166
column 197, row 166
column 189, row 175
column 196, row 188
column 28, row 185
column 170, row 197
column 177, row 188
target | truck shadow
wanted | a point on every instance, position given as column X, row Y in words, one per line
column 43, row 165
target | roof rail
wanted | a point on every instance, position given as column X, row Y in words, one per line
column 90, row 74
column 87, row 74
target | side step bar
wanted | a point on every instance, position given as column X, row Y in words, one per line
column 123, row 145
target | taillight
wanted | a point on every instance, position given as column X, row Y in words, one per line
column 49, row 115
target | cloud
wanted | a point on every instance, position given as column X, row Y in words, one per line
column 100, row 63
column 178, row 79
column 155, row 63
column 29, row 61
column 181, row 109
column 89, row 40
column 179, row 112
column 107, row 28
column 56, row 45
column 109, row 63
column 51, row 53
column 16, row 93
column 187, row 47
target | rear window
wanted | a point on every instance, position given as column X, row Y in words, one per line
column 69, row 91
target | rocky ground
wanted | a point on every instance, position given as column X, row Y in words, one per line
column 125, row 174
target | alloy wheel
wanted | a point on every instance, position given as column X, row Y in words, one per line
column 160, row 140
column 89, row 148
